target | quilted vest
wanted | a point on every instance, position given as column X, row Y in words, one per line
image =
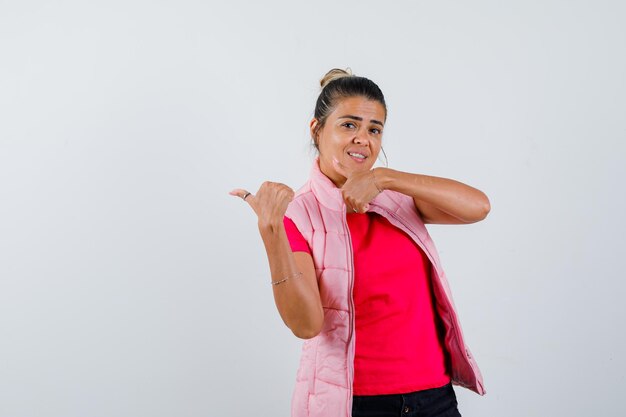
column 324, row 379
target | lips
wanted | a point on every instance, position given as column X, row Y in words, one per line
column 358, row 155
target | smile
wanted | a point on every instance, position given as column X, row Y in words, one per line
column 357, row 155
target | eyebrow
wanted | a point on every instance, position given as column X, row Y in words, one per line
column 360, row 119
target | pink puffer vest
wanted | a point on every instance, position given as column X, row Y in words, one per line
column 324, row 379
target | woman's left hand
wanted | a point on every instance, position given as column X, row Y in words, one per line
column 359, row 189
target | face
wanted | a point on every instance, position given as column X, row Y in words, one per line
column 352, row 134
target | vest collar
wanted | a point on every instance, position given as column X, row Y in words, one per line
column 325, row 190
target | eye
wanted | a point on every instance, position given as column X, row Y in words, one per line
column 376, row 131
column 349, row 125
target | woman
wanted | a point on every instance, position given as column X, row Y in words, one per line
column 355, row 272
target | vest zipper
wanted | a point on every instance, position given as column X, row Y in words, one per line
column 351, row 344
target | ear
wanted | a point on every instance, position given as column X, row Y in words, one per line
column 313, row 126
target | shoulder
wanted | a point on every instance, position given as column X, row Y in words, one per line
column 303, row 192
column 301, row 204
column 303, row 197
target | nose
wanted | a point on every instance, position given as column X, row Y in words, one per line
column 360, row 138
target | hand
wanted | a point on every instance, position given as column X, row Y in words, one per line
column 359, row 189
column 269, row 203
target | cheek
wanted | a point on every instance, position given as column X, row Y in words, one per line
column 331, row 143
column 376, row 151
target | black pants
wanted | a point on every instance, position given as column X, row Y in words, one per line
column 436, row 402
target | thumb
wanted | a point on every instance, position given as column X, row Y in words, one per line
column 247, row 196
column 342, row 169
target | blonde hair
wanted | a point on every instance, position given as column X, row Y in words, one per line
column 335, row 74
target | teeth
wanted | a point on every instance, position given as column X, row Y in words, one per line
column 356, row 155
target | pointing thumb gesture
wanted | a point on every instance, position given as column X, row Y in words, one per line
column 359, row 189
column 269, row 203
column 245, row 195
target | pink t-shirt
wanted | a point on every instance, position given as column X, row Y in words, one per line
column 398, row 346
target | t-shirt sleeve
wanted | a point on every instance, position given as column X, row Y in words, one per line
column 297, row 242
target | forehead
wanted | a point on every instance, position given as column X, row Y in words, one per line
column 360, row 106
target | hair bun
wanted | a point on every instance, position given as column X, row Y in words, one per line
column 335, row 74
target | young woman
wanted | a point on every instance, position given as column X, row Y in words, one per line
column 355, row 273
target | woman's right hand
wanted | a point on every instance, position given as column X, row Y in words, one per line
column 297, row 298
column 269, row 203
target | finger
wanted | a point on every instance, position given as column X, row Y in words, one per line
column 352, row 205
column 342, row 169
column 356, row 206
column 361, row 208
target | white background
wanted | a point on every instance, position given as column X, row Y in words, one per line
column 132, row 284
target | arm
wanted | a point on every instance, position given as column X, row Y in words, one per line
column 297, row 299
column 438, row 200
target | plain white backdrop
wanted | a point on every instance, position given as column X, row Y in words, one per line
column 132, row 284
